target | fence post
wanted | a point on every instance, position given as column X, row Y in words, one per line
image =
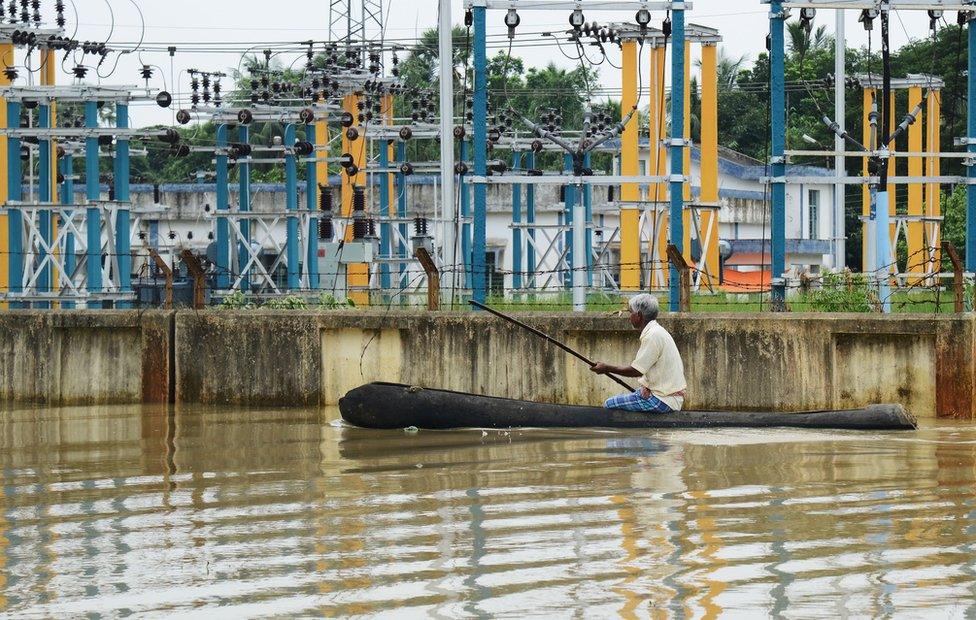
column 168, row 273
column 433, row 278
column 957, row 277
column 199, row 277
column 684, row 277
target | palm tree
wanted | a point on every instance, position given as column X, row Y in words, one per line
column 728, row 68
column 803, row 41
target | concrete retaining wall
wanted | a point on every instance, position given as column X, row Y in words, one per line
column 784, row 362
column 734, row 361
column 66, row 358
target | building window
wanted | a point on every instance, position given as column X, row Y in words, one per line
column 494, row 278
column 814, row 214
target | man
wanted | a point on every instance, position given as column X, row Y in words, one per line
column 657, row 363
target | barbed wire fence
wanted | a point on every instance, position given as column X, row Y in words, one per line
column 934, row 291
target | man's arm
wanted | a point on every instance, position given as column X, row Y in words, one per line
column 624, row 371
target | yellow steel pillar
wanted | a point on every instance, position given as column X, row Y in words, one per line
column 658, row 198
column 709, row 163
column 7, row 60
column 391, row 209
column 321, row 157
column 933, row 206
column 49, row 78
column 357, row 275
column 630, row 271
column 916, row 255
column 866, row 189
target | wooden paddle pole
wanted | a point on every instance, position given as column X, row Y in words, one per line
column 547, row 337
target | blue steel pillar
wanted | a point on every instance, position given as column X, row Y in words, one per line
column 223, row 206
column 291, row 205
column 123, row 244
column 386, row 228
column 15, row 192
column 882, row 248
column 480, row 154
column 93, row 217
column 530, row 219
column 465, row 190
column 244, row 205
column 516, row 220
column 677, row 149
column 311, row 184
column 777, row 69
column 401, row 189
column 67, row 198
column 44, row 194
column 569, row 202
column 588, row 211
column 971, row 148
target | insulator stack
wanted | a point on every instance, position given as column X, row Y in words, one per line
column 360, row 228
column 326, row 229
column 359, row 199
column 420, row 226
column 325, row 198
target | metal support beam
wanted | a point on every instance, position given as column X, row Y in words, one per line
column 630, row 254
column 678, row 95
column 916, row 251
column 466, row 213
column 401, row 210
column 292, row 240
column 480, row 153
column 44, row 176
column 93, row 224
column 657, row 246
column 933, row 192
column 123, row 243
column 244, row 206
column 517, row 267
column 6, row 52
column 777, row 20
column 530, row 220
column 386, row 228
column 867, row 229
column 971, row 148
column 312, row 233
column 223, row 205
column 587, row 221
column 68, row 197
column 448, row 201
column 709, row 167
column 569, row 212
column 839, row 234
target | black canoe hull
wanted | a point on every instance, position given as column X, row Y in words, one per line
column 392, row 405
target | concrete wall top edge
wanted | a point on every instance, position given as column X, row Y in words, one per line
column 85, row 318
column 568, row 321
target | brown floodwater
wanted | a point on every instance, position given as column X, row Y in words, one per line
column 116, row 511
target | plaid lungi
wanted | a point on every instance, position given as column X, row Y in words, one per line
column 635, row 402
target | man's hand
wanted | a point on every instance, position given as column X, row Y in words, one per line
column 600, row 368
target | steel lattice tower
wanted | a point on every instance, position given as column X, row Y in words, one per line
column 352, row 21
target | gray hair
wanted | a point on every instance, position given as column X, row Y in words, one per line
column 646, row 305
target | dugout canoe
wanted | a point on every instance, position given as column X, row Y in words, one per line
column 394, row 405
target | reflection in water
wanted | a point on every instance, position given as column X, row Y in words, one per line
column 116, row 510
